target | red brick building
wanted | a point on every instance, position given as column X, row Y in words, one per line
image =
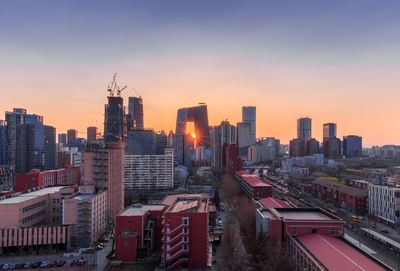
column 185, row 234
column 252, row 185
column 138, row 231
column 39, row 179
column 342, row 195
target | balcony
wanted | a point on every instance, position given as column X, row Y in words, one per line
column 177, row 263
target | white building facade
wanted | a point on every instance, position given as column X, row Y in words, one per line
column 384, row 202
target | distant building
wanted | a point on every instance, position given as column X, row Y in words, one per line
column 92, row 134
column 115, row 128
column 352, row 146
column 304, row 128
column 135, row 113
column 68, row 157
column 244, row 137
column 72, row 135
column 161, row 142
column 183, row 150
column 329, row 130
column 49, row 150
column 384, row 203
column 312, row 146
column 267, row 149
column 62, row 139
column 141, row 142
column 225, row 133
column 249, row 115
column 198, row 115
column 149, row 172
column 332, row 147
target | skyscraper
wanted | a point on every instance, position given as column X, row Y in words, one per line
column 329, row 130
column 249, row 115
column 244, row 137
column 72, row 134
column 352, row 146
column 92, row 134
column 135, row 113
column 304, row 128
column 114, row 120
column 62, row 139
column 25, row 140
column 141, row 142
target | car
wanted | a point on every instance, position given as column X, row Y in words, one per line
column 98, row 247
column 36, row 264
column 74, row 263
column 60, row 263
column 19, row 265
column 82, row 261
column 384, row 231
column 6, row 266
column 52, row 263
column 44, row 265
column 27, row 265
column 12, row 266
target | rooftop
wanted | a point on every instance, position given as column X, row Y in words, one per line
column 28, row 196
column 354, row 191
column 305, row 214
column 274, row 203
column 251, row 179
column 185, row 205
column 336, row 255
column 140, row 209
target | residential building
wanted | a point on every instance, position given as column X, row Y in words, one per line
column 138, row 231
column 185, row 234
column 384, row 202
column 244, row 137
column 352, row 146
column 87, row 214
column 149, row 172
column 267, row 149
column 68, row 157
column 225, row 133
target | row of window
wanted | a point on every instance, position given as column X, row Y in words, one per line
column 34, row 206
column 32, row 217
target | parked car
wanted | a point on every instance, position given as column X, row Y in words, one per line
column 27, row 265
column 52, row 263
column 36, row 264
column 82, row 261
column 19, row 265
column 44, row 265
column 74, row 263
column 60, row 263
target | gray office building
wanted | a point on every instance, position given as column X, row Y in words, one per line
column 352, row 146
column 304, row 128
column 135, row 113
column 141, row 142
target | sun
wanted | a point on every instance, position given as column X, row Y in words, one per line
column 193, row 135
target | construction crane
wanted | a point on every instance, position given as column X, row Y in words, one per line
column 111, row 87
column 119, row 90
column 138, row 94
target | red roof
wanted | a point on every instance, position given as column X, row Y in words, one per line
column 336, row 255
column 251, row 179
column 274, row 203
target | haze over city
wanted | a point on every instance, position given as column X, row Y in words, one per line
column 334, row 62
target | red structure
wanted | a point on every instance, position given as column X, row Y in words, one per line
column 185, row 234
column 39, row 179
column 274, row 203
column 252, row 185
column 233, row 162
column 138, row 231
column 342, row 195
column 323, row 252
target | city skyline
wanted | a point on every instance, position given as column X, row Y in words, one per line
column 332, row 62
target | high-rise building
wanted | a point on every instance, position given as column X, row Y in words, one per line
column 249, row 115
column 25, row 140
column 72, row 135
column 62, row 139
column 49, row 155
column 3, row 143
column 352, row 146
column 244, row 137
column 304, row 128
column 149, row 172
column 332, row 147
column 135, row 113
column 114, row 120
column 91, row 134
column 198, row 115
column 183, row 150
column 161, row 142
column 329, row 130
column 103, row 167
column 141, row 142
column 225, row 133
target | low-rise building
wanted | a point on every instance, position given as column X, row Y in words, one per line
column 252, row 185
column 384, row 203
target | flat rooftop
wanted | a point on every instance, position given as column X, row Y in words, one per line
column 354, row 191
column 252, row 179
column 304, row 214
column 337, row 255
column 34, row 194
column 187, row 205
column 140, row 209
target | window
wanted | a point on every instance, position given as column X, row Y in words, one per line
column 185, row 230
column 314, row 231
column 185, row 220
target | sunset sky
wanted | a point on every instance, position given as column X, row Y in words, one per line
column 334, row 61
